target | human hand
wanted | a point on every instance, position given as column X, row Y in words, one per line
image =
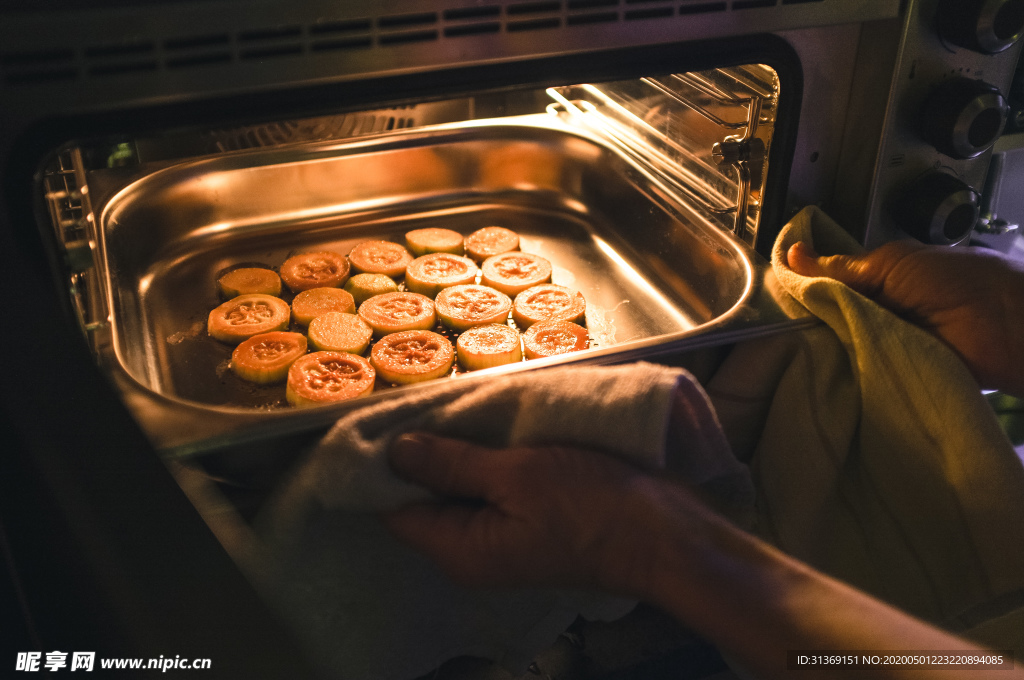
column 970, row 298
column 530, row 516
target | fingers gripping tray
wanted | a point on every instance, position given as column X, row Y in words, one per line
column 656, row 276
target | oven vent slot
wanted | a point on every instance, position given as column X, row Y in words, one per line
column 268, row 43
column 107, row 60
column 703, row 8
column 469, row 21
column 407, row 28
column 341, row 35
column 39, row 67
column 705, row 134
column 198, row 50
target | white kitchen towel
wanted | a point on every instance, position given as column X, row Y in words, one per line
column 875, row 456
column 369, row 608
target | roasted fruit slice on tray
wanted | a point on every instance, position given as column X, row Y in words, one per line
column 265, row 358
column 394, row 312
column 249, row 280
column 462, row 307
column 430, row 274
column 380, row 257
column 548, row 302
column 412, row 356
column 244, row 316
column 434, row 240
column 340, row 332
column 548, row 338
column 487, row 346
column 315, row 270
column 512, row 273
column 311, row 303
column 362, row 287
column 491, row 241
column 326, row 377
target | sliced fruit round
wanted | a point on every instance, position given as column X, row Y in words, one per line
column 380, row 257
column 548, row 302
column 365, row 286
column 412, row 356
column 244, row 316
column 462, row 307
column 434, row 240
column 430, row 274
column 512, row 273
column 394, row 312
column 340, row 332
column 487, row 346
column 248, row 281
column 548, row 338
column 311, row 303
column 491, row 241
column 315, row 270
column 265, row 358
column 327, row 377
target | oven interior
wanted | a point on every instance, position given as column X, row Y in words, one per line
column 645, row 194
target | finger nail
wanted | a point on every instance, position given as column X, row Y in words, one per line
column 803, row 260
column 806, row 249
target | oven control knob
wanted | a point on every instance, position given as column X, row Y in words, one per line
column 986, row 26
column 938, row 208
column 963, row 117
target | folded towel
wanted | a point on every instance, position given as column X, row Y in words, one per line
column 370, row 608
column 875, row 456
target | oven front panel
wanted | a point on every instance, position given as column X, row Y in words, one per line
column 109, row 57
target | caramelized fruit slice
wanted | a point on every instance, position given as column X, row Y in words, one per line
column 244, row 316
column 315, row 270
column 412, row 356
column 462, row 307
column 311, row 303
column 394, row 312
column 340, row 332
column 249, row 280
column 430, row 274
column 265, row 358
column 487, row 346
column 512, row 273
column 326, row 377
column 380, row 257
column 548, row 338
column 491, row 241
column 548, row 302
column 365, row 286
column 434, row 240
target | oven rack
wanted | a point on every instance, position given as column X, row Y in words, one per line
column 66, row 195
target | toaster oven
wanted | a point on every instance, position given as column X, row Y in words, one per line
column 650, row 149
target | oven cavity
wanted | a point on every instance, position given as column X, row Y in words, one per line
column 643, row 195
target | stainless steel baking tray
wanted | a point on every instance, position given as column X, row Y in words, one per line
column 657, row 276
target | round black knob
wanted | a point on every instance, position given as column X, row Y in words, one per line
column 938, row 208
column 987, row 26
column 963, row 117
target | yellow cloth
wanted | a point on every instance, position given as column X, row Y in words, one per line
column 875, row 456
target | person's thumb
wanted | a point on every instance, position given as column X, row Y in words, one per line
column 853, row 270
